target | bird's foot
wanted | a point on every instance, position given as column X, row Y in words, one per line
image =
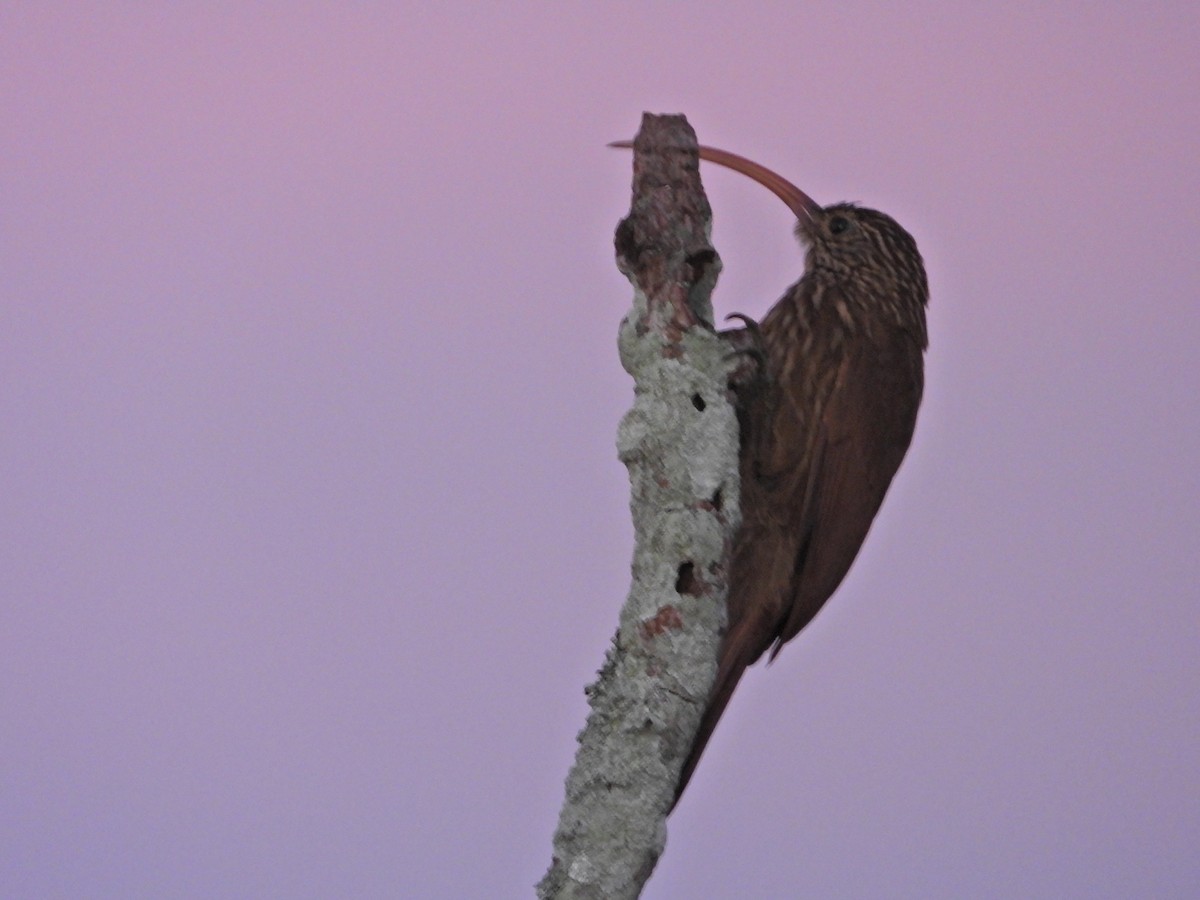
column 747, row 352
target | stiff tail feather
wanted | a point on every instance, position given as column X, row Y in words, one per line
column 729, row 674
column 712, row 713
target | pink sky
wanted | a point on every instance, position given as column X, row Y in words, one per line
column 313, row 524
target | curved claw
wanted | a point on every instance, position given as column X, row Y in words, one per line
column 746, row 342
column 751, row 326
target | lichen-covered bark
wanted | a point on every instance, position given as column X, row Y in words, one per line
column 680, row 443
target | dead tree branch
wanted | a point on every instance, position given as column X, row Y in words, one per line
column 680, row 443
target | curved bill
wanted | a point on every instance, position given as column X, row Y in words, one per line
column 802, row 205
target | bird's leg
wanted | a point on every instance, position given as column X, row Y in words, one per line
column 747, row 350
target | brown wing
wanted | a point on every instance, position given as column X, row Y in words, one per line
column 764, row 553
column 866, row 426
column 809, row 494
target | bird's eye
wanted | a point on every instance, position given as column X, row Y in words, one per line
column 839, row 225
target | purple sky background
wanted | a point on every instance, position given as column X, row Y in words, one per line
column 313, row 528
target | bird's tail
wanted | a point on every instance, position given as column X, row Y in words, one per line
column 729, row 674
column 763, row 564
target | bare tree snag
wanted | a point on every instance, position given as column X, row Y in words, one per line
column 680, row 443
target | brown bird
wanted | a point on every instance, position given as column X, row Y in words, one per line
column 824, row 426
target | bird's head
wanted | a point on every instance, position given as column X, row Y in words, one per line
column 863, row 250
column 845, row 241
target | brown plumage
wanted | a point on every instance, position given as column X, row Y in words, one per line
column 824, row 426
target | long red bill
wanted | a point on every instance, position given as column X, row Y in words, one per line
column 797, row 201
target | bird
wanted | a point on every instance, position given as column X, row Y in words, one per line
column 824, row 423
